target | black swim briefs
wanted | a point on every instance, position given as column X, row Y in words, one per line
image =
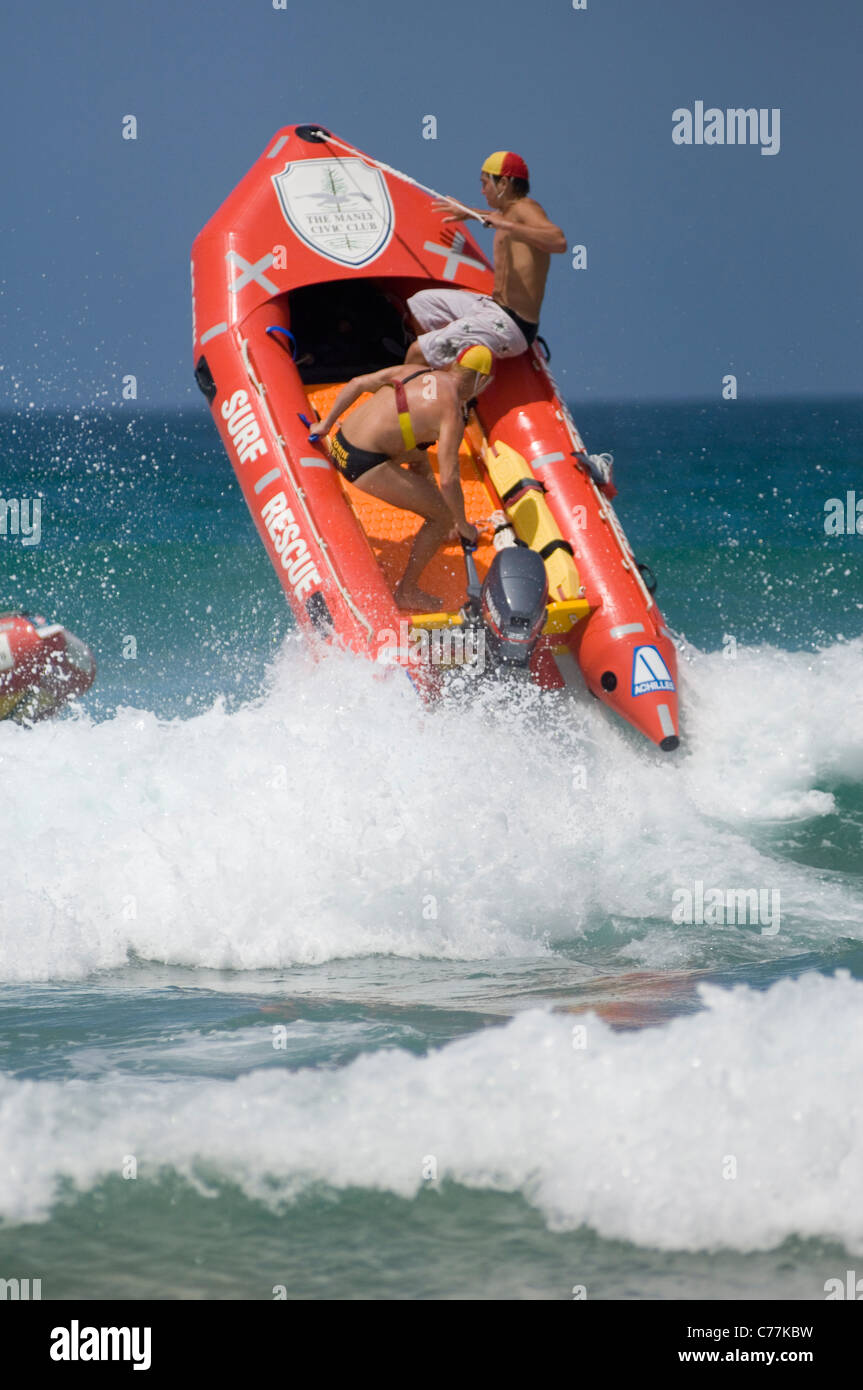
column 352, row 462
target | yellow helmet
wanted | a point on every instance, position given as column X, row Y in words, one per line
column 476, row 357
column 506, row 162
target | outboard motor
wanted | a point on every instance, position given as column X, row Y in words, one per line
column 513, row 606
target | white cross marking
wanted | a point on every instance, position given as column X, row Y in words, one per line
column 251, row 272
column 454, row 257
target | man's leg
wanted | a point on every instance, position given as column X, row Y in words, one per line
column 478, row 320
column 435, row 308
column 431, row 311
column 415, row 490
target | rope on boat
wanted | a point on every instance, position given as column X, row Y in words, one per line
column 388, row 169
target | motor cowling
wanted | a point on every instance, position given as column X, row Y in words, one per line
column 513, row 605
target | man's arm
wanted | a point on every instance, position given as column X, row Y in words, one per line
column 351, row 391
column 458, row 212
column 527, row 221
column 451, row 431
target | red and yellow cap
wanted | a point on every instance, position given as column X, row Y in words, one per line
column 476, row 357
column 505, row 162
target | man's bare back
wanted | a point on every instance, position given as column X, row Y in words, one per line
column 520, row 271
column 375, row 425
column 392, row 427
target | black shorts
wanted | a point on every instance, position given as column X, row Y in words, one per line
column 352, row 462
column 529, row 329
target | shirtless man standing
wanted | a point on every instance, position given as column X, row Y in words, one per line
column 524, row 241
column 383, row 433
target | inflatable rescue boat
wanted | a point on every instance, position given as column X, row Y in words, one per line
column 299, row 282
column 42, row 667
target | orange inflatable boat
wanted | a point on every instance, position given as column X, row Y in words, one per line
column 42, row 667
column 299, row 282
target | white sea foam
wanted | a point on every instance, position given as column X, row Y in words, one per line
column 735, row 1127
column 337, row 818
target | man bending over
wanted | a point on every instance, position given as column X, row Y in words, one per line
column 392, row 430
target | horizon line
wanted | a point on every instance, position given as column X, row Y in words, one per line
column 172, row 406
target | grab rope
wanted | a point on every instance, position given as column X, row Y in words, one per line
column 325, row 138
column 275, row 328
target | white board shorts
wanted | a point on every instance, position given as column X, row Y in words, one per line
column 453, row 319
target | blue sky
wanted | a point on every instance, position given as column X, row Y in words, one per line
column 701, row 260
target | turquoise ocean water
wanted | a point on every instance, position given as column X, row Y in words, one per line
column 304, row 987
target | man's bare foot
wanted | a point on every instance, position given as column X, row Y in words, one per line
column 409, row 596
